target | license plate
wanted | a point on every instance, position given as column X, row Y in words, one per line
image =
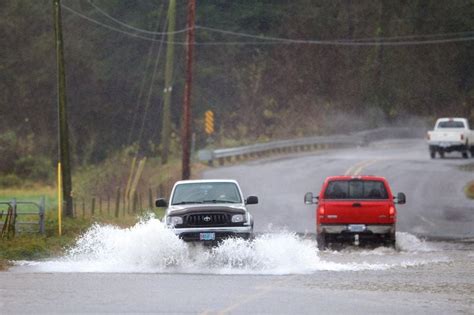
column 207, row 236
column 357, row 227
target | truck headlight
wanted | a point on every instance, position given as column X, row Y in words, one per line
column 237, row 218
column 173, row 221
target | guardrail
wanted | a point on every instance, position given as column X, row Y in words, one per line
column 306, row 144
column 8, row 217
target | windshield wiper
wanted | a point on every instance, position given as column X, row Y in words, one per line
column 186, row 202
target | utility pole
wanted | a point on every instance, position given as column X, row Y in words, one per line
column 62, row 113
column 166, row 127
column 186, row 136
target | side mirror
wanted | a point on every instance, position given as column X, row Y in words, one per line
column 401, row 198
column 309, row 199
column 251, row 200
column 161, row 203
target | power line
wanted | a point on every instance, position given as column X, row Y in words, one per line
column 268, row 40
column 142, row 85
column 114, row 28
column 132, row 27
column 150, row 91
column 339, row 42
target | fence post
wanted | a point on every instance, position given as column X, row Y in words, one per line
column 150, row 198
column 93, row 207
column 124, row 204
column 100, row 205
column 135, row 202
column 161, row 192
column 117, row 203
column 108, row 204
column 140, row 207
column 41, row 215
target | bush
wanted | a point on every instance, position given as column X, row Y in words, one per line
column 34, row 168
column 10, row 180
column 8, row 151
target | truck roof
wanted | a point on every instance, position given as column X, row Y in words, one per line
column 192, row 181
column 360, row 177
column 451, row 119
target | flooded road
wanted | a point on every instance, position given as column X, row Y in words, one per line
column 145, row 268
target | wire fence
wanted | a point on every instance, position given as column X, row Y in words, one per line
column 120, row 204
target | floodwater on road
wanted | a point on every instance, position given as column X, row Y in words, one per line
column 148, row 247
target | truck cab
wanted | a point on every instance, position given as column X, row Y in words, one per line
column 355, row 209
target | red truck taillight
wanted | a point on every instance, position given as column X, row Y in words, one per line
column 391, row 212
column 321, row 210
column 462, row 136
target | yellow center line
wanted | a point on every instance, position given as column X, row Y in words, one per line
column 362, row 167
column 357, row 168
column 349, row 170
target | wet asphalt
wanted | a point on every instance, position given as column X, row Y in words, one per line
column 420, row 277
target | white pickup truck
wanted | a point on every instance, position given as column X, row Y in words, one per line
column 451, row 134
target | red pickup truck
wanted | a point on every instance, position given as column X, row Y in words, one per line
column 355, row 209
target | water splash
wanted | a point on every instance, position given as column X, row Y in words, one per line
column 150, row 247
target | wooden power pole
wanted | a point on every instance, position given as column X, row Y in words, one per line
column 166, row 126
column 62, row 113
column 186, row 136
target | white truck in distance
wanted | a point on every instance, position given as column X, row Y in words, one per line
column 451, row 134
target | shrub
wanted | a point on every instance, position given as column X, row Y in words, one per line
column 34, row 168
column 10, row 180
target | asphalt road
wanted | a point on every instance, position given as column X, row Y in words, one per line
column 279, row 273
column 436, row 205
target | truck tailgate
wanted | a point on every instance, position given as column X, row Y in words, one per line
column 445, row 136
column 357, row 211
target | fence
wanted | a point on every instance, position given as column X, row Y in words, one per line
column 119, row 204
column 306, row 144
column 32, row 213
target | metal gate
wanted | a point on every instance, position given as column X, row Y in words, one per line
column 14, row 214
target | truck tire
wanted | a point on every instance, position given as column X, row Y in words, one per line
column 472, row 151
column 321, row 240
column 441, row 154
column 464, row 155
column 433, row 154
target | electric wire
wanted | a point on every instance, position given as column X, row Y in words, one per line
column 114, row 28
column 142, row 85
column 150, row 91
column 345, row 42
column 184, row 30
column 268, row 40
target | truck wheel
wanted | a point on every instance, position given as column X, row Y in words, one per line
column 472, row 151
column 433, row 154
column 464, row 155
column 321, row 240
column 441, row 154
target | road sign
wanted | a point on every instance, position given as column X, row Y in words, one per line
column 209, row 122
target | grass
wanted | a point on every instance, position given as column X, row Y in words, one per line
column 469, row 190
column 87, row 182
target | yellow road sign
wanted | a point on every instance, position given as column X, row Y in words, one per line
column 209, row 122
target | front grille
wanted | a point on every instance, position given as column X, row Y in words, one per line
column 206, row 219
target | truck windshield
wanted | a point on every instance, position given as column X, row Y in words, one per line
column 208, row 192
column 451, row 124
column 356, row 189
